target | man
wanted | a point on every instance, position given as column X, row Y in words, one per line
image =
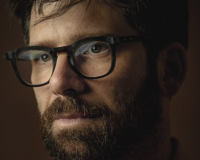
column 103, row 74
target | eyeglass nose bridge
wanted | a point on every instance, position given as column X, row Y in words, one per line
column 67, row 49
column 60, row 49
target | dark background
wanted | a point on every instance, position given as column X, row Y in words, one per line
column 19, row 120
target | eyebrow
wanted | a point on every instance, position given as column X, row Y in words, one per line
column 71, row 38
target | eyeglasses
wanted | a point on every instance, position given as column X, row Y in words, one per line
column 90, row 58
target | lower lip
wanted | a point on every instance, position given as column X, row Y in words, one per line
column 65, row 122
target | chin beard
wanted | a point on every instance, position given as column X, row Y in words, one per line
column 109, row 136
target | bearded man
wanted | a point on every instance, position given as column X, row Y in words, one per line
column 103, row 73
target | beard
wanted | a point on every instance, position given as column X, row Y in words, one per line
column 109, row 135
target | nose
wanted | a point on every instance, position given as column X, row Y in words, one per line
column 64, row 80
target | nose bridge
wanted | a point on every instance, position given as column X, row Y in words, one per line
column 64, row 79
column 67, row 50
column 60, row 49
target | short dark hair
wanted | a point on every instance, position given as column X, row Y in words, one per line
column 166, row 18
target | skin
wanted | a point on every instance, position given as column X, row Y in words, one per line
column 131, row 62
column 65, row 82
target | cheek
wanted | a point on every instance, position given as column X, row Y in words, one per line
column 126, row 79
column 42, row 95
column 131, row 69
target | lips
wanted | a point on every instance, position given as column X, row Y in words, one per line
column 66, row 120
column 70, row 116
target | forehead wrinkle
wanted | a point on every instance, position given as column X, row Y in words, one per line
column 78, row 36
column 71, row 38
column 44, row 43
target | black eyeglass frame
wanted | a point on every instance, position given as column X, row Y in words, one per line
column 112, row 41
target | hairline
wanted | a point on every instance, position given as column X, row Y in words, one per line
column 134, row 13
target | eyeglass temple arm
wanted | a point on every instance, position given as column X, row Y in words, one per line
column 131, row 39
column 8, row 56
column 117, row 40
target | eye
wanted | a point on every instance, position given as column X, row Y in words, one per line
column 96, row 48
column 45, row 57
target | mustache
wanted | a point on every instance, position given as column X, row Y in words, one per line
column 70, row 105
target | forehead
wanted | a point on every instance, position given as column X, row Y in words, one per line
column 80, row 21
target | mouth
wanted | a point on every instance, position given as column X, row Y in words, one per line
column 70, row 120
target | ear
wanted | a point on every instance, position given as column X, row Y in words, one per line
column 173, row 62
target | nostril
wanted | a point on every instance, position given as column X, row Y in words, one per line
column 70, row 92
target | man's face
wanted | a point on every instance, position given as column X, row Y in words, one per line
column 95, row 118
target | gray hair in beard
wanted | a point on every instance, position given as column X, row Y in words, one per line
column 139, row 120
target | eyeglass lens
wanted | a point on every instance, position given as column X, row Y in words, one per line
column 92, row 59
column 35, row 66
